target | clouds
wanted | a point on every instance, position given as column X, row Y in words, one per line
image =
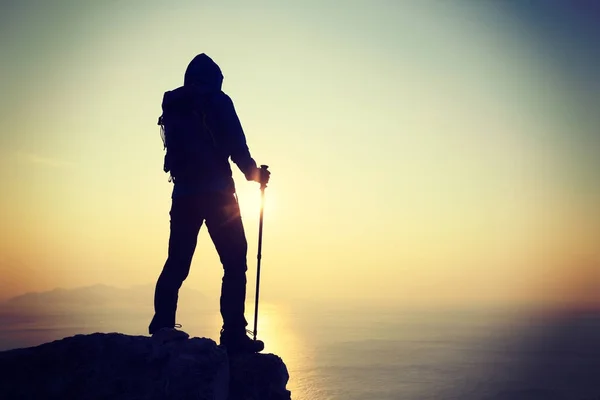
column 39, row 160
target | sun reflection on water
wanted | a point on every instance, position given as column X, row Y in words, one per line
column 275, row 328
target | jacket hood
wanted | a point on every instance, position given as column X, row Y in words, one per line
column 203, row 73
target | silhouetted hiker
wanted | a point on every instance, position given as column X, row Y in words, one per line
column 201, row 130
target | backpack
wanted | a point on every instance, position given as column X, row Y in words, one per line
column 188, row 140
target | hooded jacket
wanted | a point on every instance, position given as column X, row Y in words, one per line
column 202, row 85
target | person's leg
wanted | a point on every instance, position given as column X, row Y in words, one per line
column 226, row 230
column 186, row 220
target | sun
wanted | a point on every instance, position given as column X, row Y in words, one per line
column 249, row 199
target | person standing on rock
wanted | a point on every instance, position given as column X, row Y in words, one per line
column 201, row 131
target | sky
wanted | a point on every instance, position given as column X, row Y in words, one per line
column 422, row 152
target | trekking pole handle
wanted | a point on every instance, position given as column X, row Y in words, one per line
column 264, row 168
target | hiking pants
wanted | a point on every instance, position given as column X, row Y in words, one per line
column 221, row 213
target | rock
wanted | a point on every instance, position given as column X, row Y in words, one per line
column 258, row 377
column 117, row 366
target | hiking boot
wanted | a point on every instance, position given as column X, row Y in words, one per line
column 240, row 343
column 166, row 334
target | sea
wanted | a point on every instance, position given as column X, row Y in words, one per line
column 386, row 353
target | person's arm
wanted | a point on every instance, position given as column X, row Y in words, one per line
column 235, row 138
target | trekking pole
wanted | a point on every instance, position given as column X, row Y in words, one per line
column 263, row 186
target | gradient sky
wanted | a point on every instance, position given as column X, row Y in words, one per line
column 421, row 151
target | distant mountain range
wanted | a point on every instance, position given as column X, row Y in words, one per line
column 95, row 296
